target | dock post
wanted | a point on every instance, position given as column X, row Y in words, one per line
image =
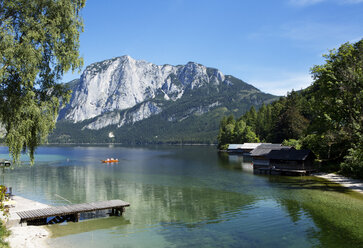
column 76, row 217
column 119, row 211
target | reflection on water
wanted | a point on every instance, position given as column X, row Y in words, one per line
column 188, row 196
column 235, row 162
column 72, row 228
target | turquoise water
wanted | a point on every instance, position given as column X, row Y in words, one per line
column 187, row 197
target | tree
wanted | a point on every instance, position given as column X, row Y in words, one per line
column 251, row 117
column 261, row 121
column 226, row 132
column 239, row 130
column 249, row 136
column 326, row 118
column 338, row 92
column 337, row 97
column 353, row 165
column 289, row 121
column 292, row 142
column 39, row 42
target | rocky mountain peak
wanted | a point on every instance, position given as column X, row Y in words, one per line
column 125, row 100
column 123, row 82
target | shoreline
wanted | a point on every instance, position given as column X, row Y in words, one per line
column 38, row 236
column 22, row 235
column 124, row 144
column 355, row 185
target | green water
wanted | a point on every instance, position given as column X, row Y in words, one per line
column 187, row 197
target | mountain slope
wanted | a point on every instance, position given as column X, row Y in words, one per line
column 130, row 101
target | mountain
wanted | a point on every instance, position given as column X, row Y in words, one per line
column 133, row 101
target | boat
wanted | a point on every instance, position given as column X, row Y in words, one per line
column 110, row 160
column 5, row 163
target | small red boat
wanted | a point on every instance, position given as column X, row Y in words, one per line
column 110, row 160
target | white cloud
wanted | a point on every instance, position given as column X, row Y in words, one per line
column 303, row 3
column 286, row 83
column 313, row 31
column 310, row 34
column 349, row 1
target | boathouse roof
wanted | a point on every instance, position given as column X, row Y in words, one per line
column 250, row 146
column 246, row 146
column 290, row 154
column 234, row 146
column 265, row 149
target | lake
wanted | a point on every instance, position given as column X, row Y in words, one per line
column 186, row 196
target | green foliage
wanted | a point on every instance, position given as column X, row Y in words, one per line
column 335, row 106
column 3, row 231
column 251, row 117
column 290, row 122
column 223, row 147
column 39, row 41
column 249, row 136
column 337, row 98
column 2, row 196
column 286, row 118
column 338, row 90
column 226, row 131
column 353, row 164
column 154, row 130
column 326, row 118
column 293, row 142
column 231, row 131
column 3, row 234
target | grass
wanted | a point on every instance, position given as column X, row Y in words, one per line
column 3, row 234
column 333, row 209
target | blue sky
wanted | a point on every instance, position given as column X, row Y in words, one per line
column 269, row 44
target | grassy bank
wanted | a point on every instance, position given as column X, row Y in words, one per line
column 3, row 234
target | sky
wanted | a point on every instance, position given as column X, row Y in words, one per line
column 269, row 44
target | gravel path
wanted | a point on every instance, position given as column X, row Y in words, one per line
column 353, row 184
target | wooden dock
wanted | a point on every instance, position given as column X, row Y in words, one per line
column 72, row 212
column 270, row 171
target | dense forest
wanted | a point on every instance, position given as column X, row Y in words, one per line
column 326, row 118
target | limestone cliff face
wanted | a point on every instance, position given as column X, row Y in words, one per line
column 123, row 83
column 130, row 101
column 144, row 111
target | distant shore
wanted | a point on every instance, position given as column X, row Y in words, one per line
column 151, row 144
column 353, row 184
column 130, row 145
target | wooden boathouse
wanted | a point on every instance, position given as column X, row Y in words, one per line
column 243, row 149
column 59, row 214
column 292, row 161
column 275, row 158
column 260, row 153
column 234, row 148
column 278, row 159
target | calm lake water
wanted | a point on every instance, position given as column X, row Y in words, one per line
column 187, row 197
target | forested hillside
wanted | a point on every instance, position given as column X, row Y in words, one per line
column 327, row 117
column 192, row 119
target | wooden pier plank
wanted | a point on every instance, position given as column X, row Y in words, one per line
column 70, row 209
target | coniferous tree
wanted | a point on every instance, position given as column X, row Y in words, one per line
column 290, row 124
